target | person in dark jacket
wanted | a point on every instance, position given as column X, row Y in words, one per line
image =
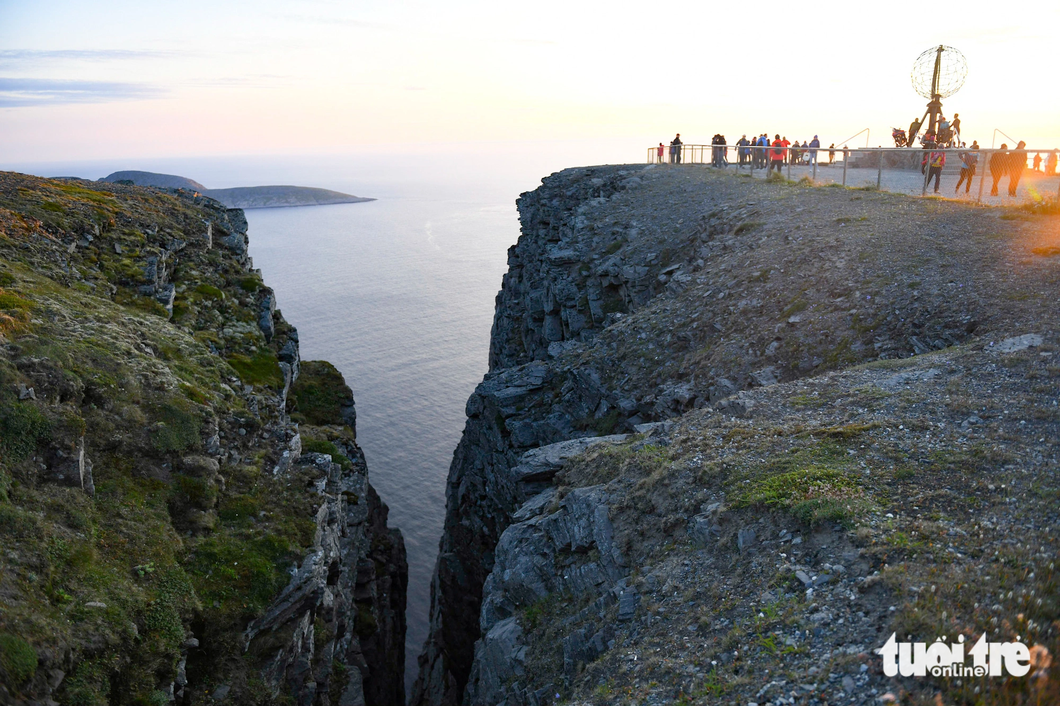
column 815, row 144
column 675, row 150
column 741, row 150
column 998, row 166
column 969, row 159
column 1017, row 165
column 914, row 128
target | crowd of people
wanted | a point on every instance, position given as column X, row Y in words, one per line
column 759, row 151
column 762, row 153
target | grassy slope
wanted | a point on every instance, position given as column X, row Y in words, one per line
column 104, row 587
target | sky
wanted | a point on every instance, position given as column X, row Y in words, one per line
column 91, row 80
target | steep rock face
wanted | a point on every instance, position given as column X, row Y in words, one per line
column 523, row 403
column 185, row 512
column 636, row 295
column 550, row 294
column 337, row 629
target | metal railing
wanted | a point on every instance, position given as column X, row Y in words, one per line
column 874, row 159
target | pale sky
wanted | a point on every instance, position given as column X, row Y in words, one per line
column 91, row 80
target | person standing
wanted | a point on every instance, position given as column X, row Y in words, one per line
column 741, row 154
column 956, row 125
column 1017, row 164
column 969, row 160
column 675, row 150
column 815, row 145
column 937, row 162
column 1051, row 162
column 776, row 155
column 1037, row 161
column 998, row 166
column 831, row 154
column 659, row 154
column 914, row 128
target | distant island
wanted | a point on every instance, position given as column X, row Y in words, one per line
column 241, row 196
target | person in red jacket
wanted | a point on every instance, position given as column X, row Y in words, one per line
column 938, row 161
column 776, row 155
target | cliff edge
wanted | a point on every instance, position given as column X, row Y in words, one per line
column 185, row 514
column 736, row 433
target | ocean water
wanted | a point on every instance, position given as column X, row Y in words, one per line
column 398, row 293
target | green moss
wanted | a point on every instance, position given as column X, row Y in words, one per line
column 250, row 284
column 89, row 685
column 19, row 524
column 18, row 659
column 177, row 428
column 209, row 291
column 326, row 447
column 262, row 369
column 11, row 301
column 813, row 494
column 22, row 427
column 195, row 491
column 128, row 298
column 241, row 575
column 319, row 394
column 240, row 509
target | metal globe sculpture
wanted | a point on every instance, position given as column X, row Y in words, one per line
column 939, row 71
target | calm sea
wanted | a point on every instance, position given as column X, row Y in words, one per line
column 398, row 293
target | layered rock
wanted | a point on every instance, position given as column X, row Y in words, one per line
column 171, row 533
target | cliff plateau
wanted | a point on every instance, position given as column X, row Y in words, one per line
column 185, row 515
column 736, row 433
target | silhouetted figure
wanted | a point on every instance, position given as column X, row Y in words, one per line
column 1037, row 161
column 1051, row 162
column 815, row 145
column 1017, row 164
column 969, row 159
column 998, row 166
column 675, row 150
column 831, row 154
column 742, row 153
column 957, row 125
column 717, row 157
column 914, row 128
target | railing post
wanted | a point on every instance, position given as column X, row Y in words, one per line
column 846, row 158
column 754, row 156
column 814, row 157
column 879, row 170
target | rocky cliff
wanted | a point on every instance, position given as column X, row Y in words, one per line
column 665, row 491
column 184, row 511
